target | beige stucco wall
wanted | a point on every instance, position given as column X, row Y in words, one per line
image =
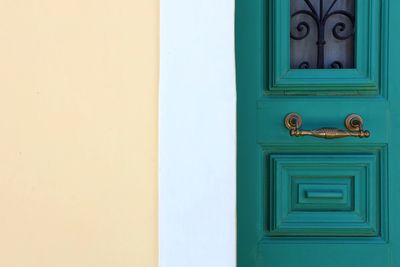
column 78, row 131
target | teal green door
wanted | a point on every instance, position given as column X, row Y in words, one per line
column 318, row 172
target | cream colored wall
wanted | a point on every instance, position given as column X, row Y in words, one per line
column 78, row 84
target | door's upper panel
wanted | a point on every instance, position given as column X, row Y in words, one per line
column 329, row 47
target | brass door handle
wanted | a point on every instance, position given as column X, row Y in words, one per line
column 354, row 124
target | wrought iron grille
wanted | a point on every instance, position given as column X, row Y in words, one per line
column 322, row 34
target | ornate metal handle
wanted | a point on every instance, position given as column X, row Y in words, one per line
column 354, row 124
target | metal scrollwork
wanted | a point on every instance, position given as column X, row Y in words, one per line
column 304, row 65
column 342, row 30
column 303, row 28
column 337, row 65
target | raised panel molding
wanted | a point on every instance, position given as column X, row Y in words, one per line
column 319, row 193
column 335, row 193
column 324, row 195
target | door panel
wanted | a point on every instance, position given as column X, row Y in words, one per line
column 323, row 195
column 308, row 201
column 363, row 79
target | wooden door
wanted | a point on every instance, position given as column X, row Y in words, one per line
column 318, row 180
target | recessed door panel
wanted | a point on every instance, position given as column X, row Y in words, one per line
column 323, row 195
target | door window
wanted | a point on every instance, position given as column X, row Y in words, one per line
column 322, row 34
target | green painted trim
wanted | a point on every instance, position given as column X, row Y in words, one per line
column 250, row 79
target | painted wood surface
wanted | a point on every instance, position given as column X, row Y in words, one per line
column 304, row 201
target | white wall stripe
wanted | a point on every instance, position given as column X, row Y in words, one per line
column 197, row 173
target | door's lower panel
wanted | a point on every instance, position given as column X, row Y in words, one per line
column 324, row 193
